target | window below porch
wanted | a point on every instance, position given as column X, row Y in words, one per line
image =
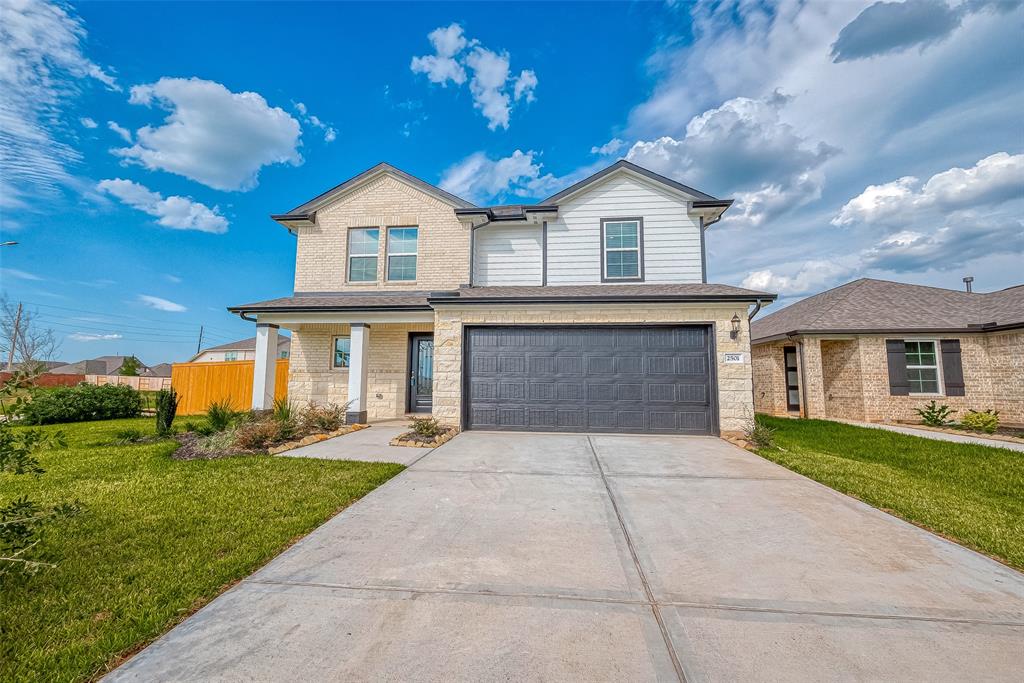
column 342, row 352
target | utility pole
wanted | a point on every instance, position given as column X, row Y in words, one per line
column 14, row 339
column 199, row 346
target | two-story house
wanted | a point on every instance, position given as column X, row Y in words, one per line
column 589, row 311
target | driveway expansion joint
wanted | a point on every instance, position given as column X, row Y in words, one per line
column 655, row 609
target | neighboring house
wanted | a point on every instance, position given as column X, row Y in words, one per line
column 875, row 350
column 244, row 349
column 160, row 370
column 101, row 365
column 588, row 311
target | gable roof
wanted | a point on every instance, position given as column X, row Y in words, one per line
column 101, row 365
column 868, row 305
column 305, row 211
column 622, row 164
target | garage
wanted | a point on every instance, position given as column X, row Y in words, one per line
column 653, row 379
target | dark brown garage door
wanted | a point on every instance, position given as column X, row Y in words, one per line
column 650, row 379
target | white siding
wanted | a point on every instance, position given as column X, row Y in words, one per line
column 671, row 237
column 507, row 255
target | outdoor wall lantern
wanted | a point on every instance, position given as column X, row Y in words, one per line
column 735, row 327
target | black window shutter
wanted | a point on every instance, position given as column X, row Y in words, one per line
column 896, row 350
column 952, row 367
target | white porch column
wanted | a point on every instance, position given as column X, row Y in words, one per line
column 359, row 349
column 265, row 369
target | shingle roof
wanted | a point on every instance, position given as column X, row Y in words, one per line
column 880, row 305
column 245, row 345
column 339, row 301
column 101, row 365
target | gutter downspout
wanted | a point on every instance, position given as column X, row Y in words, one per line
column 243, row 316
column 472, row 250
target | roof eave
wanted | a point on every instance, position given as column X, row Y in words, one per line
column 606, row 299
column 971, row 329
column 623, row 164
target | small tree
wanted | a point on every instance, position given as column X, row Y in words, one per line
column 23, row 521
column 166, row 408
column 22, row 339
column 130, row 367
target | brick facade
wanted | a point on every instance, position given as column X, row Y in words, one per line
column 443, row 246
column 735, row 386
column 311, row 377
column 849, row 378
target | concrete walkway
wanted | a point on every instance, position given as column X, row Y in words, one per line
column 534, row 557
column 940, row 436
column 369, row 445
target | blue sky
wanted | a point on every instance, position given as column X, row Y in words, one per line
column 144, row 144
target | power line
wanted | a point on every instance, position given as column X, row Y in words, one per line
column 122, row 315
column 118, row 327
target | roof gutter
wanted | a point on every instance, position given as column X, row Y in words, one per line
column 595, row 299
column 722, row 204
column 971, row 329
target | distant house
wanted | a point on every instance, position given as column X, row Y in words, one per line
column 107, row 370
column 244, row 349
column 101, row 365
column 875, row 350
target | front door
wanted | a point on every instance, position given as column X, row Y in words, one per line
column 421, row 373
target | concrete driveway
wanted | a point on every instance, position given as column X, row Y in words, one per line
column 618, row 558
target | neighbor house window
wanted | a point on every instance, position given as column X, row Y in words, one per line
column 621, row 249
column 922, row 367
column 362, row 254
column 342, row 352
column 283, row 355
column 402, row 253
column 231, row 355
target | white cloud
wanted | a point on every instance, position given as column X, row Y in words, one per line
column 810, row 276
column 19, row 274
column 123, row 132
column 742, row 148
column 610, row 147
column 161, row 304
column 172, row 278
column 87, row 122
column 212, row 135
column 330, row 134
column 526, row 83
column 178, row 213
column 43, row 65
column 442, row 66
column 480, row 178
column 995, row 179
column 455, row 56
column 88, row 337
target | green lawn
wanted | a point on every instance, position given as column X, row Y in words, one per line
column 158, row 538
column 969, row 493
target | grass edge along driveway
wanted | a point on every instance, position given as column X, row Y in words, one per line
column 969, row 493
column 158, row 538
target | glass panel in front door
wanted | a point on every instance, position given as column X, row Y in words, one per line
column 425, row 368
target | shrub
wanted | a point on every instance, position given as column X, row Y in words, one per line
column 935, row 415
column 327, row 418
column 759, row 434
column 201, row 428
column 166, row 408
column 81, row 403
column 217, row 443
column 426, row 426
column 220, row 415
column 981, row 421
column 123, row 437
column 259, row 435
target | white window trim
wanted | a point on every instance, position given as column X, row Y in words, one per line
column 605, row 250
column 388, row 253
column 334, row 345
column 937, row 367
column 349, row 256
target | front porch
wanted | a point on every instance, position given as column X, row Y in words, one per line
column 380, row 365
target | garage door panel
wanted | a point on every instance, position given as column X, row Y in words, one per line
column 632, row 379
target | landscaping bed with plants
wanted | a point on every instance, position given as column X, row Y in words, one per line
column 966, row 492
column 425, row 432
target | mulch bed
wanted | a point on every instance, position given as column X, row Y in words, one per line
column 414, row 440
column 1011, row 434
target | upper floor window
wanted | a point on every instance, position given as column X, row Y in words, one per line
column 922, row 367
column 362, row 254
column 621, row 249
column 402, row 253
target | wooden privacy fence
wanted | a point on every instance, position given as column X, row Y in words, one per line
column 135, row 382
column 200, row 384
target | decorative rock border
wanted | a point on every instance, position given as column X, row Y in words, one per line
column 412, row 439
column 961, row 432
column 315, row 438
